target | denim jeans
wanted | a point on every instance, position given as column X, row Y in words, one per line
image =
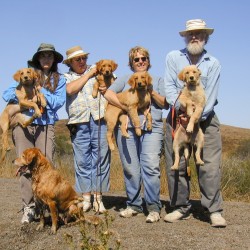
column 91, row 157
column 140, row 158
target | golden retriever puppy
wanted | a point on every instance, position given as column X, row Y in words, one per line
column 49, row 187
column 192, row 99
column 136, row 98
column 28, row 97
column 104, row 77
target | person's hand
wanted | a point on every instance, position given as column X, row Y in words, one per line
column 150, row 89
column 92, row 72
column 102, row 89
column 184, row 120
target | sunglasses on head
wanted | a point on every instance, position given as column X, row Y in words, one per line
column 137, row 59
column 81, row 59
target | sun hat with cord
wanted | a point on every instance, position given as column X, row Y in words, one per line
column 42, row 48
column 196, row 24
column 73, row 52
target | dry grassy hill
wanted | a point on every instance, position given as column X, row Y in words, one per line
column 231, row 136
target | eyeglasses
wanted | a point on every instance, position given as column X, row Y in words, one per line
column 81, row 59
column 137, row 59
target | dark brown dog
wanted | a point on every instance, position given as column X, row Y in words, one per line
column 136, row 98
column 49, row 187
column 28, row 97
column 104, row 77
column 192, row 94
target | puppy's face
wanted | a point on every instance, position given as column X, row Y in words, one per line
column 26, row 76
column 190, row 75
column 106, row 67
column 140, row 81
column 28, row 157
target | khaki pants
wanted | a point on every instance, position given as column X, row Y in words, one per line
column 209, row 175
column 42, row 137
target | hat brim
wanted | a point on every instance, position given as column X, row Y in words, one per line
column 208, row 31
column 34, row 62
column 67, row 61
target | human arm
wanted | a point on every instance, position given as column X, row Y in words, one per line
column 111, row 97
column 76, row 85
column 211, row 84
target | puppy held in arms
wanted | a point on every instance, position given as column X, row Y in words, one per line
column 104, row 77
column 29, row 97
column 136, row 98
column 192, row 99
column 49, row 188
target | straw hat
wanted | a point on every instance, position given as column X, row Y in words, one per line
column 75, row 51
column 45, row 47
column 196, row 24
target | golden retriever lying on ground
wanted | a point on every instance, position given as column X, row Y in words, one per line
column 105, row 77
column 136, row 98
column 49, row 187
column 28, row 97
column 192, row 94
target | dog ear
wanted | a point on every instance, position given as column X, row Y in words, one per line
column 98, row 65
column 149, row 78
column 16, row 76
column 181, row 75
column 114, row 66
column 31, row 155
column 131, row 82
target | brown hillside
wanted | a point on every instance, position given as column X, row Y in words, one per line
column 231, row 136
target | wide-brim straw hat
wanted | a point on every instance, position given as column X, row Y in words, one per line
column 196, row 24
column 73, row 52
column 43, row 48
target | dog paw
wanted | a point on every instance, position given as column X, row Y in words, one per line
column 190, row 128
column 40, row 227
column 174, row 167
column 126, row 135
column 112, row 147
column 200, row 162
column 138, row 132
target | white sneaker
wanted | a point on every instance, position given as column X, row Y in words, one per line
column 175, row 216
column 99, row 207
column 217, row 220
column 153, row 217
column 128, row 212
column 86, row 204
column 28, row 214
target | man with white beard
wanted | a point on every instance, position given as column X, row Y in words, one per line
column 196, row 37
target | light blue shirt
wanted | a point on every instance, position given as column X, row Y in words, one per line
column 210, row 77
column 54, row 100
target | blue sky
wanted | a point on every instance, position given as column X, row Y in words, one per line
column 108, row 29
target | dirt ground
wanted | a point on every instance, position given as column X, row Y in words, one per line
column 134, row 233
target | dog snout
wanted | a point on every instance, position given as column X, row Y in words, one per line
column 139, row 84
column 191, row 78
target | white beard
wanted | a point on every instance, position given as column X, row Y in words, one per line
column 195, row 48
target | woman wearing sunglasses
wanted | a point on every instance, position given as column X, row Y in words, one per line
column 140, row 156
column 88, row 130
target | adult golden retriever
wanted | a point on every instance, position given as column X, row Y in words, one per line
column 136, row 98
column 104, row 77
column 192, row 99
column 28, row 98
column 49, row 187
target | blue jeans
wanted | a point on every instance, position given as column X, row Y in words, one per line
column 140, row 158
column 91, row 157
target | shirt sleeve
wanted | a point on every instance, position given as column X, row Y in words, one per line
column 211, row 85
column 9, row 95
column 170, row 82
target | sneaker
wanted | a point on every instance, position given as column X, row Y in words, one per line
column 128, row 212
column 153, row 217
column 217, row 220
column 28, row 214
column 99, row 207
column 175, row 216
column 86, row 206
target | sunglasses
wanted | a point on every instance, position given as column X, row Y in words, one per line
column 81, row 59
column 137, row 59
